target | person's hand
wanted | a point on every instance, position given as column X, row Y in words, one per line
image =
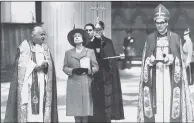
column 150, row 61
column 85, row 70
column 37, row 68
column 98, row 36
column 80, row 71
column 122, row 56
column 75, row 71
column 44, row 64
column 168, row 59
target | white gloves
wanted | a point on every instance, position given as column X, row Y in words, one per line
column 150, row 61
column 168, row 60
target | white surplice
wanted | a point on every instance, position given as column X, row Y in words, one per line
column 41, row 83
column 163, row 86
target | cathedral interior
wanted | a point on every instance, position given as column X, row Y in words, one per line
column 58, row 18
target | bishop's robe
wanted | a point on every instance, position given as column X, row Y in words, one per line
column 163, row 90
column 23, row 105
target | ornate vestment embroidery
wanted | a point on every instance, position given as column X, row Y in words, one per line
column 177, row 71
column 176, row 102
column 147, row 103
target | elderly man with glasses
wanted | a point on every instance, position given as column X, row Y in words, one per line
column 164, row 93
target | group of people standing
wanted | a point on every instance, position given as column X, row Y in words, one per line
column 93, row 91
column 93, row 86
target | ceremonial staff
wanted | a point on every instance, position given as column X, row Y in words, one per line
column 113, row 57
column 97, row 8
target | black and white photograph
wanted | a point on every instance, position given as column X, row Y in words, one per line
column 97, row 61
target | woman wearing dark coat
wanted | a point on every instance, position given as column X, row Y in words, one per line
column 79, row 64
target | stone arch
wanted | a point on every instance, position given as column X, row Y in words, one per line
column 138, row 12
column 139, row 30
column 180, row 20
column 118, row 19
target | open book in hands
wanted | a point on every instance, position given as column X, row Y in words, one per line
column 85, row 63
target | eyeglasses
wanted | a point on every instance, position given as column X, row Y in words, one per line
column 160, row 23
column 88, row 30
column 98, row 29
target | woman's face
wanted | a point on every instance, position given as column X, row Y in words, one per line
column 186, row 34
column 186, row 37
column 77, row 38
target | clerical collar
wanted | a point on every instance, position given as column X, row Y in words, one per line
column 34, row 44
column 38, row 45
column 162, row 35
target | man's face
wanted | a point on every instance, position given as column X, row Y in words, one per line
column 98, row 32
column 38, row 35
column 90, row 31
column 128, row 34
column 161, row 25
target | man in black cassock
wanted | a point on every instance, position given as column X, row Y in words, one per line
column 107, row 96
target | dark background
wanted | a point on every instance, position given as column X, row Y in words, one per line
column 138, row 17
